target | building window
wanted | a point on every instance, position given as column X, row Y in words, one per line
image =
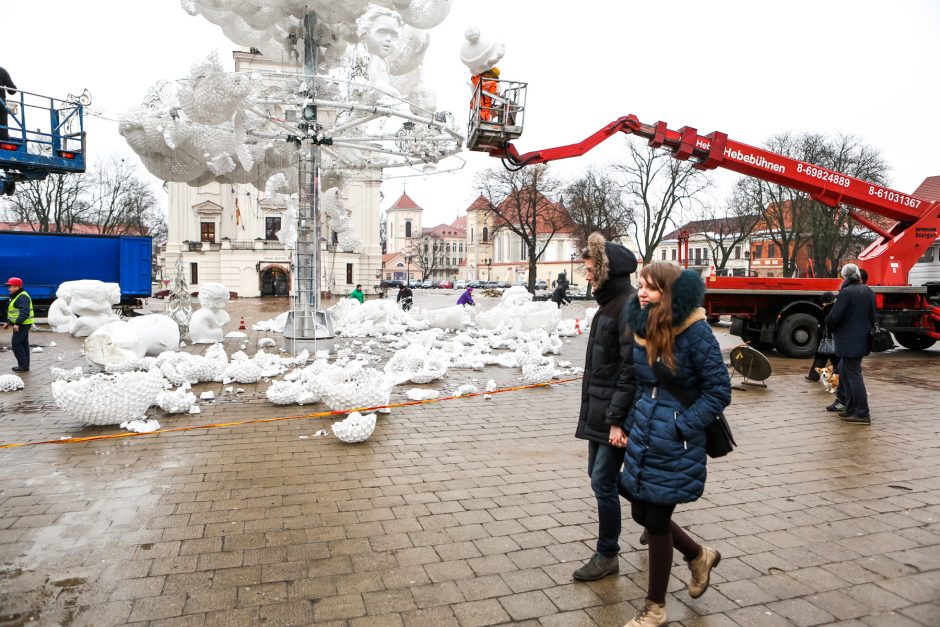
column 737, row 252
column 407, row 228
column 207, row 232
column 461, row 246
column 193, row 273
column 349, row 273
column 486, row 234
column 664, row 254
column 771, row 251
column 271, row 227
column 759, row 251
column 698, row 256
column 673, row 254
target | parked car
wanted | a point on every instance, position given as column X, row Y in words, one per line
column 460, row 285
column 392, row 284
column 490, row 285
column 445, row 285
column 427, row 284
column 541, row 285
column 504, row 285
column 475, row 284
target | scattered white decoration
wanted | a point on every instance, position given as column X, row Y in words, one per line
column 419, row 394
column 141, row 425
column 108, row 399
column 10, row 383
column 355, row 428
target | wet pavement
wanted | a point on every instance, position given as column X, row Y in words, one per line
column 464, row 512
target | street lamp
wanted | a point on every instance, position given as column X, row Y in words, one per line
column 571, row 276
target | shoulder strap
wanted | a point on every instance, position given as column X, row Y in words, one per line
column 662, row 377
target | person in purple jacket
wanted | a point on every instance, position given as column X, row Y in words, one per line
column 466, row 298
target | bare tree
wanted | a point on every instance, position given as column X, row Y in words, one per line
column 121, row 202
column 835, row 234
column 383, row 232
column 727, row 228
column 427, row 253
column 54, row 204
column 520, row 204
column 595, row 203
column 659, row 190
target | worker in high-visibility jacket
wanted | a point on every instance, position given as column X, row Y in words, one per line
column 490, row 86
column 20, row 316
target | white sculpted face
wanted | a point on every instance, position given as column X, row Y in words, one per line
column 383, row 35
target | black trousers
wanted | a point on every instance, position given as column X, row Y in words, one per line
column 20, row 344
column 856, row 396
column 819, row 361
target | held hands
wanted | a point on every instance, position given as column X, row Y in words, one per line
column 617, row 437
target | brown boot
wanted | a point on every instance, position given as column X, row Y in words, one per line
column 651, row 615
column 701, row 568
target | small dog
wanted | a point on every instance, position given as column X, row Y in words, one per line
column 829, row 378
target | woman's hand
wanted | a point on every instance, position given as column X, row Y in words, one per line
column 617, row 437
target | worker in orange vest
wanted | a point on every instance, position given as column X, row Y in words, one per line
column 489, row 79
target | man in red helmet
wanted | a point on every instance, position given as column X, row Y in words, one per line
column 20, row 315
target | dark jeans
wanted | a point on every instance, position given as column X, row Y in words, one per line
column 856, row 396
column 819, row 361
column 20, row 344
column 604, row 464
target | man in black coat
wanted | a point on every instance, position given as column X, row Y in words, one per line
column 405, row 297
column 607, row 392
column 851, row 320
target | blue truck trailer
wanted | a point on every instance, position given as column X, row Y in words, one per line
column 46, row 260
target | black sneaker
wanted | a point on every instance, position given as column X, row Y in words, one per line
column 837, row 406
column 857, row 420
column 597, row 568
column 18, row 369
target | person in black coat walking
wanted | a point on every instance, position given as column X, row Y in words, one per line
column 607, row 391
column 405, row 297
column 851, row 319
column 560, row 295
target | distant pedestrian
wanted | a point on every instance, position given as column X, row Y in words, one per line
column 560, row 295
column 819, row 359
column 607, row 392
column 7, row 86
column 357, row 294
column 665, row 461
column 20, row 316
column 405, row 297
column 852, row 319
column 466, row 298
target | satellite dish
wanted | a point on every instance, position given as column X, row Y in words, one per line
column 751, row 364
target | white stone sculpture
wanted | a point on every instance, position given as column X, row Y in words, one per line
column 10, row 383
column 113, row 343
column 158, row 332
column 60, row 316
column 355, row 428
column 105, row 399
column 480, row 53
column 205, row 327
column 378, row 30
column 91, row 301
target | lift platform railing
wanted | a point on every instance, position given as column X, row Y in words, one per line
column 42, row 135
column 496, row 114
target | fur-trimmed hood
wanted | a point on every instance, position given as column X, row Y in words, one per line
column 687, row 294
column 610, row 260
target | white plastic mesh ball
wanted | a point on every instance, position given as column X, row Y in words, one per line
column 106, row 399
column 355, row 428
column 10, row 383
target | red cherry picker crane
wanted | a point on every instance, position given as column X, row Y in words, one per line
column 778, row 312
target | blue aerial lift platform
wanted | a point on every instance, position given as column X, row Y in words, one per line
column 43, row 136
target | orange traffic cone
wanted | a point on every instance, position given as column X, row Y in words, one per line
column 577, row 326
column 241, row 325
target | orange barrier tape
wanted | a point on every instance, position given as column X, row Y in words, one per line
column 319, row 414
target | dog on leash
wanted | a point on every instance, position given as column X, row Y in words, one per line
column 829, row 378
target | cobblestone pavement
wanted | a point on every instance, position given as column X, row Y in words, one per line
column 466, row 512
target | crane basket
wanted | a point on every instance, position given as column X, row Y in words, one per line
column 42, row 135
column 497, row 112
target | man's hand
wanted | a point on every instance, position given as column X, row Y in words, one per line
column 617, row 437
column 5, row 325
column 16, row 328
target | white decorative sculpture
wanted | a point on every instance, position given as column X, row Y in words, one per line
column 158, row 332
column 108, row 399
column 91, row 301
column 205, row 326
column 378, row 30
column 60, row 316
column 113, row 343
column 355, row 428
column 10, row 383
column 176, row 401
column 480, row 53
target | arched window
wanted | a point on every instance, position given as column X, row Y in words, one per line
column 486, row 234
column 407, row 228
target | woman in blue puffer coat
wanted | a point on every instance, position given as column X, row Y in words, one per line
column 665, row 460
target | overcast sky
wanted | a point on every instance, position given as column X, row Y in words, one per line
column 750, row 69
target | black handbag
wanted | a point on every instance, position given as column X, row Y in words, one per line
column 719, row 441
column 827, row 345
column 880, row 339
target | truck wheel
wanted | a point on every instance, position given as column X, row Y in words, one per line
column 914, row 341
column 796, row 335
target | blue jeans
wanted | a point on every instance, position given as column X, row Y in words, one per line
column 604, row 465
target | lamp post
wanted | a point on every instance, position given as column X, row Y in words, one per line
column 571, row 275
